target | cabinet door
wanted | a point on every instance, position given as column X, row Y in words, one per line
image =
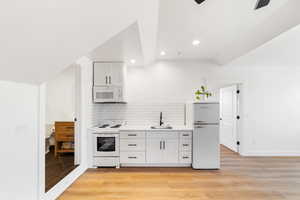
column 101, row 73
column 116, row 74
column 170, row 151
column 154, row 150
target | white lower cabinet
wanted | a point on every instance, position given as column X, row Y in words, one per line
column 162, row 147
column 153, row 148
column 132, row 157
column 185, row 157
column 170, row 151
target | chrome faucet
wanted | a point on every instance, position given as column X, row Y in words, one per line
column 160, row 120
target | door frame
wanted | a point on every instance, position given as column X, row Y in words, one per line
column 66, row 181
column 239, row 122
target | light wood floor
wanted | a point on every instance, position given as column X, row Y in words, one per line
column 241, row 178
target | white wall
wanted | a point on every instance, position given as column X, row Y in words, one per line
column 19, row 141
column 60, row 97
column 166, row 82
column 271, row 85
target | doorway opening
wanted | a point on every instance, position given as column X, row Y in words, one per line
column 61, row 126
column 230, row 117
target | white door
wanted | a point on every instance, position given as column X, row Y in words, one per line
column 101, row 73
column 116, row 74
column 154, row 150
column 228, row 114
column 170, row 151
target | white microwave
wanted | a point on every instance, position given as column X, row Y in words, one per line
column 108, row 94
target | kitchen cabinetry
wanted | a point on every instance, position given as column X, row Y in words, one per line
column 108, row 74
column 156, row 148
column 162, row 147
column 132, row 147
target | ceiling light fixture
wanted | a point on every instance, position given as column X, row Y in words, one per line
column 196, row 42
column 261, row 3
column 199, row 1
column 162, row 53
column 132, row 61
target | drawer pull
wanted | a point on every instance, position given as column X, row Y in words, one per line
column 132, row 145
column 186, row 135
column 185, row 157
column 132, row 157
column 131, row 134
column 185, row 145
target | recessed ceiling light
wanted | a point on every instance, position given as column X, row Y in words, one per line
column 196, row 42
column 132, row 61
column 162, row 53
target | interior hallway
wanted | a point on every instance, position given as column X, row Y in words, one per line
column 240, row 178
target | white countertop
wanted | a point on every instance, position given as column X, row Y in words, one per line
column 148, row 128
column 138, row 128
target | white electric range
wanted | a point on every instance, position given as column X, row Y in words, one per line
column 106, row 144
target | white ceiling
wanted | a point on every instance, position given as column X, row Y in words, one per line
column 124, row 47
column 225, row 28
column 40, row 38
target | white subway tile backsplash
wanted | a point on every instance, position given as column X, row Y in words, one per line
column 140, row 114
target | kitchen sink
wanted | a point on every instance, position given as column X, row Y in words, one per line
column 161, row 127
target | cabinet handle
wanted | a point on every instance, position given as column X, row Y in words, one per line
column 185, row 135
column 185, row 145
column 106, row 79
column 164, row 145
column 109, row 78
column 132, row 157
column 132, row 145
column 160, row 145
column 131, row 134
column 185, row 157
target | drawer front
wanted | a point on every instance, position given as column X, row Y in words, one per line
column 64, row 134
column 68, row 129
column 165, row 135
column 106, row 161
column 185, row 145
column 185, row 157
column 132, row 144
column 186, row 135
column 132, row 135
column 132, row 157
column 64, row 138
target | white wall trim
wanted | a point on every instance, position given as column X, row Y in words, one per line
column 41, row 141
column 59, row 188
column 274, row 153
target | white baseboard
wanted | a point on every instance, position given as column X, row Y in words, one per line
column 272, row 153
column 59, row 188
column 157, row 165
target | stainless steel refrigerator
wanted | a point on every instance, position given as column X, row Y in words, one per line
column 204, row 118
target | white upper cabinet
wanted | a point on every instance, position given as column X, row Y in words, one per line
column 117, row 74
column 108, row 74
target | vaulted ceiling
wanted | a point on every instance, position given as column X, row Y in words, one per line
column 226, row 29
column 40, row 38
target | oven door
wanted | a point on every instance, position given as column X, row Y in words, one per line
column 106, row 145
